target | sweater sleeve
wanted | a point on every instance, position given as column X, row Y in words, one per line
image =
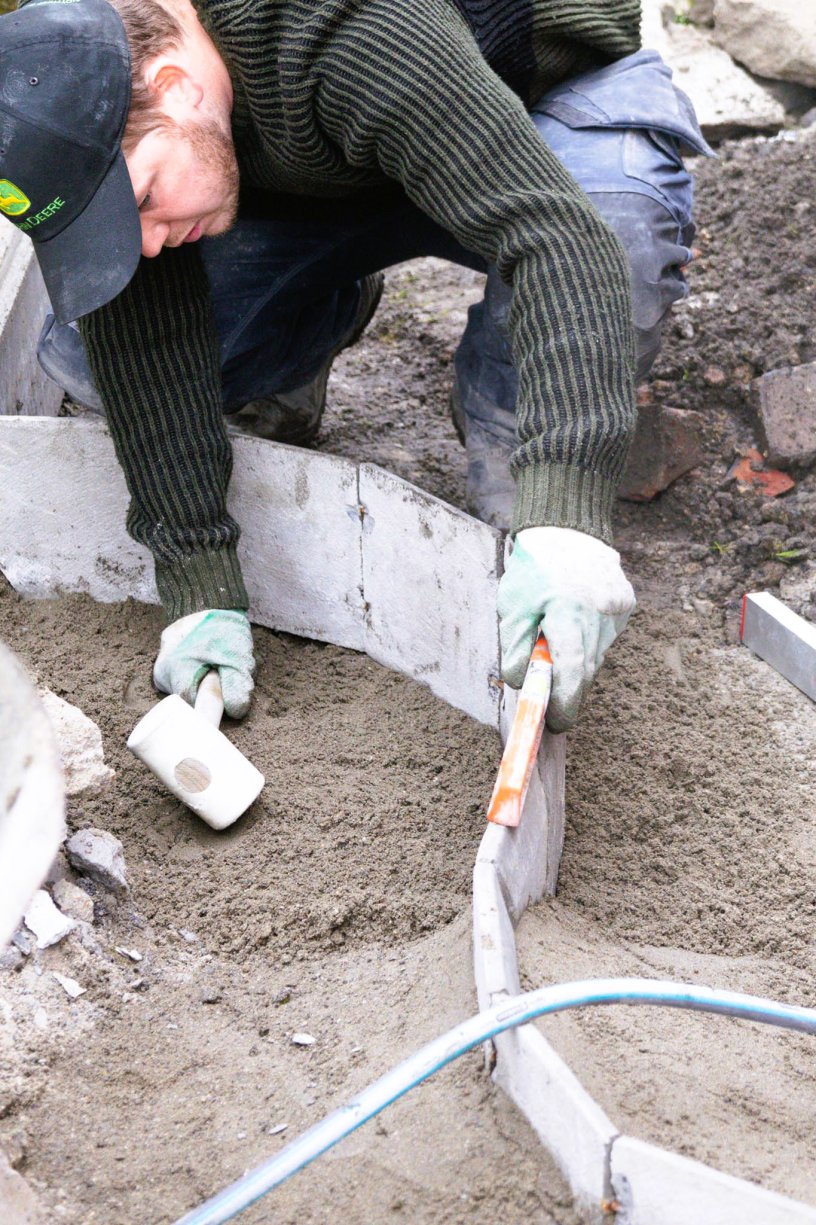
column 403, row 85
column 153, row 356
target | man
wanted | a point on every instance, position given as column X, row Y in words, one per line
column 216, row 230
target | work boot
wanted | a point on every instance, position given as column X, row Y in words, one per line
column 295, row 416
column 489, row 443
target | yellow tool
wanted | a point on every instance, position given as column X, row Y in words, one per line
column 522, row 744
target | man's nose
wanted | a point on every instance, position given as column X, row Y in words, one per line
column 154, row 236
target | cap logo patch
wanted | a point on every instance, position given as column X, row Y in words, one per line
column 12, row 201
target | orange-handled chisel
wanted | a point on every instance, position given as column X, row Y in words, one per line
column 525, row 736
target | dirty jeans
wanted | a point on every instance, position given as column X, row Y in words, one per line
column 285, row 279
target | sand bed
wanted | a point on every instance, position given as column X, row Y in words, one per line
column 338, row 907
column 691, row 855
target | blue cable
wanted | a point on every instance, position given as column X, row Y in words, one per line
column 485, row 1025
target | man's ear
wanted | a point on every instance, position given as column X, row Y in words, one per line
column 172, row 84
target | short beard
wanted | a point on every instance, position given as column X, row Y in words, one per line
column 215, row 152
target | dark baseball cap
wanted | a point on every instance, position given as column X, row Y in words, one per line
column 64, row 98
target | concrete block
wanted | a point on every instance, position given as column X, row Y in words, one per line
column 494, row 943
column 665, row 446
column 727, row 100
column 24, row 388
column 574, row 1129
column 785, row 404
column 80, row 746
column 32, row 794
column 430, row 576
column 782, row 638
column 655, row 1187
column 774, row 38
column 300, row 542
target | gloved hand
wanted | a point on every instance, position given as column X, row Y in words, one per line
column 572, row 585
column 216, row 638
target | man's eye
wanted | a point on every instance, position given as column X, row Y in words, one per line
column 145, row 202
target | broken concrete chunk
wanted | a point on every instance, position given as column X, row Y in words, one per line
column 774, row 38
column 785, row 403
column 69, row 985
column 47, row 923
column 727, row 100
column 132, row 954
column 665, row 446
column 74, row 901
column 80, row 746
column 100, row 855
column 19, row 1203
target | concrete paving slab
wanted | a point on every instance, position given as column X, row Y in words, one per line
column 572, row 1126
column 24, row 388
column 430, row 576
column 300, row 545
column 527, row 858
column 655, row 1187
column 64, row 506
column 494, row 943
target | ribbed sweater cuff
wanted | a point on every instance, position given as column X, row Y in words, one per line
column 209, row 579
column 560, row 496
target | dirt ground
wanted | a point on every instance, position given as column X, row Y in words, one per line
column 340, row 905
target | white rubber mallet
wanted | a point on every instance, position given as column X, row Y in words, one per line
column 185, row 749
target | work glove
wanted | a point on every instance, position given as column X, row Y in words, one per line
column 572, row 586
column 191, row 646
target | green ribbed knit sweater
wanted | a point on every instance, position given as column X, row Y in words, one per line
column 335, row 95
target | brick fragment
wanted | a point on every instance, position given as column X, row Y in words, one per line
column 666, row 445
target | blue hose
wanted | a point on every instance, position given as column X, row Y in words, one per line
column 485, row 1025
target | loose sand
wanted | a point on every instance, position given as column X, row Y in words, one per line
column 341, row 906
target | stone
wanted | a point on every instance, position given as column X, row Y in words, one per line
column 727, row 100
column 101, row 856
column 303, row 1040
column 11, row 958
column 773, row 38
column 47, row 923
column 666, row 445
column 80, row 746
column 785, row 403
column 701, row 12
column 19, row 1203
column 74, row 901
column 69, row 985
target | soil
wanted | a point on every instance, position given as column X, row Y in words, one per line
column 340, row 905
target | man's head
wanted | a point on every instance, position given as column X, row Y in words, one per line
column 74, row 151
column 177, row 141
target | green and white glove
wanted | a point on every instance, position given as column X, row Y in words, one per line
column 215, row 638
column 571, row 585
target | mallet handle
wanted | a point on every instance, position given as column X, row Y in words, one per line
column 209, row 699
